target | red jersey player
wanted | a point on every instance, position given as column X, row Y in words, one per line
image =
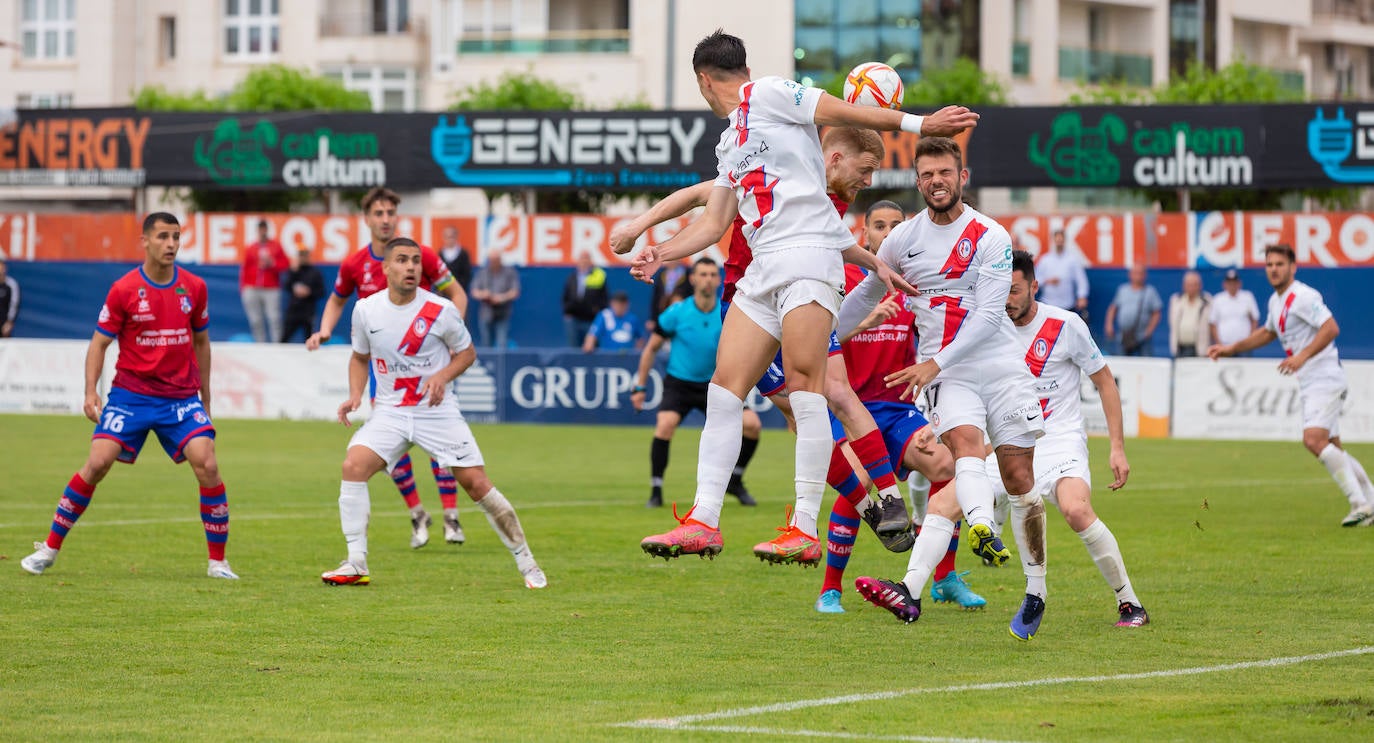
column 160, row 316
column 361, row 273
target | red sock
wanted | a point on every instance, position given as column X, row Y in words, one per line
column 839, row 543
column 74, row 501
column 872, row 453
column 214, row 516
column 842, row 477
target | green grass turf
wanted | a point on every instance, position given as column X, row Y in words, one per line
column 1233, row 547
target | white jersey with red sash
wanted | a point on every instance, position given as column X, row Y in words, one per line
column 408, row 344
column 1059, row 349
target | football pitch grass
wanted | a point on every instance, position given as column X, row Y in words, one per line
column 1262, row 626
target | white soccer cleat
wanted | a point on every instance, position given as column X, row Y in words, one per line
column 419, row 530
column 40, row 560
column 347, row 574
column 453, row 531
column 535, row 578
column 221, row 569
column 1356, row 517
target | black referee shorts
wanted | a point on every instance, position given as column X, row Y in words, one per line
column 682, row 397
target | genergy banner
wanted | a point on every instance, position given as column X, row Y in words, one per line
column 1182, row 240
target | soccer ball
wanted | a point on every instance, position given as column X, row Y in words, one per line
column 874, row 84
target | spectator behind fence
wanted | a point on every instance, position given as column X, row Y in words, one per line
column 306, row 284
column 615, row 328
column 456, row 258
column 260, row 285
column 1063, row 277
column 584, row 295
column 9, row 300
column 1235, row 313
column 497, row 287
column 1188, row 313
column 1134, row 314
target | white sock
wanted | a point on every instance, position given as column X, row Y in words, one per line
column 1028, row 528
column 1102, row 547
column 1361, row 477
column 918, row 488
column 719, row 450
column 501, row 515
column 417, row 509
column 1338, row 464
column 814, row 444
column 973, row 490
column 931, row 545
column 355, row 507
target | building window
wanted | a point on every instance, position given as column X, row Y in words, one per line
column 47, row 29
column 390, row 88
column 251, row 29
column 390, row 16
column 167, row 38
column 43, row 100
column 832, row 36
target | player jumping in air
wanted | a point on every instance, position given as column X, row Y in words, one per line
column 361, row 272
column 159, row 314
column 416, row 343
column 976, row 385
column 1301, row 322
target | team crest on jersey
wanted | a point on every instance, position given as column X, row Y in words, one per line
column 420, row 327
column 185, row 305
column 143, row 300
column 1040, row 349
column 200, row 417
column 961, row 257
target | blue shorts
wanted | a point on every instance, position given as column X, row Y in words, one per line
column 898, row 422
column 129, row 416
column 773, row 381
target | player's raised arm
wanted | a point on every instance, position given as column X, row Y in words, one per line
column 948, row 121
column 703, row 232
column 95, row 364
column 676, row 204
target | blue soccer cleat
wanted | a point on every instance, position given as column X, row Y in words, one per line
column 1027, row 620
column 829, row 602
column 953, row 588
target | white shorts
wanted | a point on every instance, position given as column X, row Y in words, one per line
column 996, row 397
column 447, row 438
column 780, row 281
column 1321, row 406
column 1056, row 457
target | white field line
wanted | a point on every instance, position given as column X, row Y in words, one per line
column 279, row 516
column 787, row 733
column 689, row 722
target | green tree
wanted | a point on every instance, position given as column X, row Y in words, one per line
column 524, row 91
column 268, row 88
column 963, row 83
column 1238, row 82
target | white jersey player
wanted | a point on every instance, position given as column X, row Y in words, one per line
column 771, row 174
column 417, row 344
column 974, row 382
column 1058, row 349
column 1301, row 322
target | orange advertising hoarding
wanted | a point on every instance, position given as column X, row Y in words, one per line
column 1175, row 240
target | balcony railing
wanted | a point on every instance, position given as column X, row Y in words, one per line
column 1360, row 11
column 1020, row 59
column 553, row 42
column 362, row 24
column 1097, row 66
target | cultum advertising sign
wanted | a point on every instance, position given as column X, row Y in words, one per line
column 1232, row 146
